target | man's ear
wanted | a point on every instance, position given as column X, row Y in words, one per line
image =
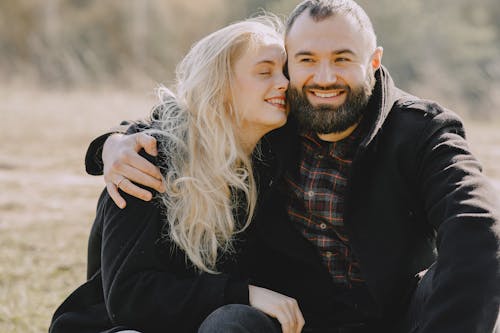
column 377, row 58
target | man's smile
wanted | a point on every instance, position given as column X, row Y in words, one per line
column 326, row 96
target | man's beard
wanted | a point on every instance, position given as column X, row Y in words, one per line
column 324, row 118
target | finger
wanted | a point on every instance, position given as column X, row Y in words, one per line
column 285, row 321
column 296, row 315
column 139, row 177
column 147, row 142
column 138, row 162
column 115, row 195
column 299, row 319
column 291, row 310
column 128, row 187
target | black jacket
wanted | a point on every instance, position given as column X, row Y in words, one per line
column 139, row 280
column 416, row 195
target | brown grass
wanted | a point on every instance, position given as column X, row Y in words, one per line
column 47, row 201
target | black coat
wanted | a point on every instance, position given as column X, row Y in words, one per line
column 139, row 280
column 415, row 195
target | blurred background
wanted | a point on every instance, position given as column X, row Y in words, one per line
column 448, row 50
column 72, row 69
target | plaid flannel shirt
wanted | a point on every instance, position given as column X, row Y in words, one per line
column 316, row 204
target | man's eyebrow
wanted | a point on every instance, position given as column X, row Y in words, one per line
column 344, row 51
column 309, row 53
column 303, row 53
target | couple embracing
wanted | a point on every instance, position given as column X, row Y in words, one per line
column 285, row 184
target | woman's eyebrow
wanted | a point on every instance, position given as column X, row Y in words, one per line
column 269, row 62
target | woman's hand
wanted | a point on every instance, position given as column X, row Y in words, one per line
column 285, row 309
column 123, row 165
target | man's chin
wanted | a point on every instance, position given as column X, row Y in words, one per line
column 326, row 107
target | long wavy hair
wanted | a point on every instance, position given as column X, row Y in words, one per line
column 207, row 172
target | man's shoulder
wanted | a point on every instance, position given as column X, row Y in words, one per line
column 410, row 103
column 413, row 118
column 417, row 108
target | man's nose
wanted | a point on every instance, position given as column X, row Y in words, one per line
column 325, row 75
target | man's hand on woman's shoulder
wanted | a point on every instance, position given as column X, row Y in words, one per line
column 123, row 166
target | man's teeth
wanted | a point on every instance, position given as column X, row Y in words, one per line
column 277, row 101
column 326, row 95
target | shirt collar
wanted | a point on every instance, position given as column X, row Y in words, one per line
column 343, row 149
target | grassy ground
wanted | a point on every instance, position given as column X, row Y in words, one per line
column 47, row 201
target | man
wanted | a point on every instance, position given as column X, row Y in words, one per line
column 377, row 186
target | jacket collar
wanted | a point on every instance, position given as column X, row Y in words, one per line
column 384, row 95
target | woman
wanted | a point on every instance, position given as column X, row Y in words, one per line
column 165, row 265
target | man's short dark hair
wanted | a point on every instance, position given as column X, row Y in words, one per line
column 323, row 9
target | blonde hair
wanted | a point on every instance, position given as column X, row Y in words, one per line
column 208, row 174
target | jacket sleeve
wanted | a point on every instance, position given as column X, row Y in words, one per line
column 93, row 157
column 146, row 283
column 462, row 206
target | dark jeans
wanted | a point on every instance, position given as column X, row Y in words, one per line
column 239, row 318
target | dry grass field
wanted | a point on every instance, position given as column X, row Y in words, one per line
column 47, row 201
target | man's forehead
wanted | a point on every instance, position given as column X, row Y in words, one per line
column 339, row 29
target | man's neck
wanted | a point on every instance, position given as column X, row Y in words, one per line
column 337, row 136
